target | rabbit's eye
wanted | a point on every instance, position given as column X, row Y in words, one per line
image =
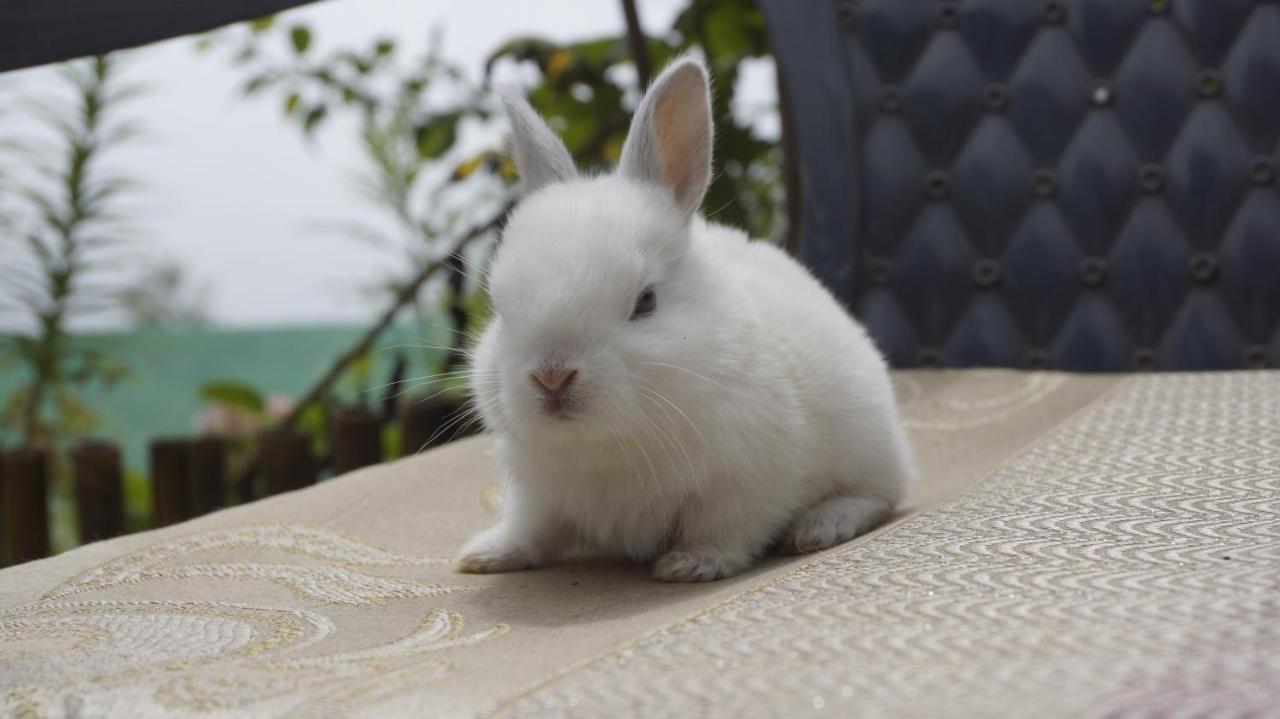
column 646, row 303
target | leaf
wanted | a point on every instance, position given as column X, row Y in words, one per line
column 256, row 83
column 390, row 440
column 291, row 103
column 557, row 63
column 437, row 136
column 312, row 421
column 468, row 167
column 384, row 47
column 262, row 24
column 300, row 36
column 521, row 48
column 314, row 116
column 234, row 394
column 602, row 52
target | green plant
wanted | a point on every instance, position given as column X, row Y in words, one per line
column 585, row 92
column 588, row 89
column 409, row 113
column 61, row 251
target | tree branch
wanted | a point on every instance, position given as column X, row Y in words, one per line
column 639, row 47
column 406, row 295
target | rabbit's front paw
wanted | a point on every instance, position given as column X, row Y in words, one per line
column 494, row 561
column 491, row 553
column 682, row 565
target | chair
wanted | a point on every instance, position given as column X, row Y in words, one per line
column 1085, row 185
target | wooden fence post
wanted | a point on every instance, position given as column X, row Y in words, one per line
column 423, row 423
column 169, row 484
column 99, row 490
column 285, row 460
column 206, row 475
column 26, row 486
column 356, row 439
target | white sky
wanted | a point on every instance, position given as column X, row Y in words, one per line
column 233, row 192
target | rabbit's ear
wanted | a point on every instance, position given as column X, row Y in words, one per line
column 539, row 154
column 670, row 139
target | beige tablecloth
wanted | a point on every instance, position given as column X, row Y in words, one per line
column 1078, row 546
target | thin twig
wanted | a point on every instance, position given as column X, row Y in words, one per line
column 407, row 295
column 639, row 48
column 361, row 347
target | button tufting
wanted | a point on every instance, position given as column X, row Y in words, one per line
column 1054, row 12
column 986, row 273
column 937, row 185
column 847, row 15
column 996, row 98
column 890, row 100
column 1262, row 170
column 1044, row 182
column 948, row 15
column 1151, row 177
column 1096, row 147
column 1208, row 83
column 1101, row 93
column 1144, row 360
column 1203, row 267
column 1093, row 271
column 879, row 270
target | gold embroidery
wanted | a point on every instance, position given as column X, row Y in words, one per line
column 312, row 542
column 222, row 656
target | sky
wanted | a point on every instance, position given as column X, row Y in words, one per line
column 233, row 193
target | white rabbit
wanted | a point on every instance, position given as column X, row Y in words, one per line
column 660, row 387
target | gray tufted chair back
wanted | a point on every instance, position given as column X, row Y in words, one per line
column 1086, row 185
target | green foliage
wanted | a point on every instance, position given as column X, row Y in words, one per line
column 403, row 131
column 137, row 501
column 60, row 255
column 358, row 376
column 391, row 444
column 300, row 36
column 408, row 136
column 585, row 92
column 412, row 114
column 234, row 394
column 582, row 97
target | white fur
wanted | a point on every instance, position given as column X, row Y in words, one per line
column 748, row 408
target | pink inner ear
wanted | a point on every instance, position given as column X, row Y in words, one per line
column 680, row 121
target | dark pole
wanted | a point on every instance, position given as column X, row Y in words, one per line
column 206, row 475
column 286, row 460
column 26, row 482
column 639, row 46
column 169, row 481
column 99, row 490
column 355, row 440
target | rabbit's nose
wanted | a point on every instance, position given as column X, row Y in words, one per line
column 553, row 381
